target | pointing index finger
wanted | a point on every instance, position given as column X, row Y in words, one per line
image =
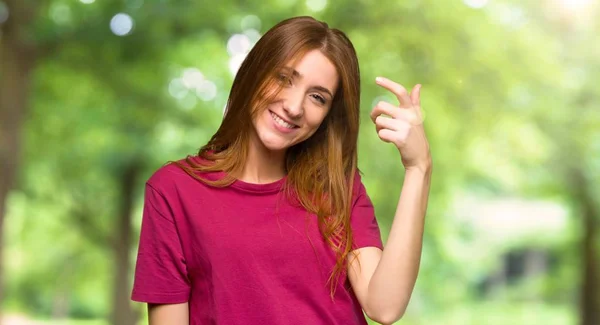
column 397, row 89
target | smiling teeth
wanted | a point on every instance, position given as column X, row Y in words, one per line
column 282, row 122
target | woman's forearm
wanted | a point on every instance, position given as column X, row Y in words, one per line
column 394, row 278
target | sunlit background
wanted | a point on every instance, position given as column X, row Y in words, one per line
column 95, row 95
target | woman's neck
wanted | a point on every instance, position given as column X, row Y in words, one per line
column 263, row 165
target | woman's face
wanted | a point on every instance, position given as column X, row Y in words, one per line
column 298, row 110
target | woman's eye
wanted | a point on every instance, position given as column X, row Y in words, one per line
column 283, row 78
column 319, row 98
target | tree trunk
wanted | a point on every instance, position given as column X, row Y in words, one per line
column 122, row 312
column 590, row 293
column 590, row 277
column 17, row 59
column 590, row 304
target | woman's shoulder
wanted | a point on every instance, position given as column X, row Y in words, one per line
column 357, row 182
column 358, row 187
column 173, row 173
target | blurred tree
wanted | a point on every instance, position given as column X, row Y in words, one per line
column 103, row 111
column 571, row 121
column 17, row 61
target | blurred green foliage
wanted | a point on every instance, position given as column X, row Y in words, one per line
column 511, row 113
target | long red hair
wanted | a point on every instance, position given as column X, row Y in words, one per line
column 320, row 170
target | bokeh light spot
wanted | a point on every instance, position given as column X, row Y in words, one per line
column 575, row 4
column 477, row 4
column 177, row 89
column 121, row 24
column 316, row 5
column 238, row 44
column 251, row 22
column 192, row 82
column 60, row 13
column 4, row 13
column 207, row 90
column 253, row 35
column 235, row 62
column 192, row 78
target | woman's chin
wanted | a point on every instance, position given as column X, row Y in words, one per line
column 275, row 143
column 277, row 146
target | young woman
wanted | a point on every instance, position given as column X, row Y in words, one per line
column 270, row 223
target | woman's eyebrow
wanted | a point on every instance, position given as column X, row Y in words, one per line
column 323, row 89
column 297, row 74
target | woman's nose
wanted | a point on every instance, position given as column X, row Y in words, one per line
column 293, row 103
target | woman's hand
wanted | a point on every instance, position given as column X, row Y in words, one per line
column 403, row 125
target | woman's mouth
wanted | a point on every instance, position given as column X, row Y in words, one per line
column 281, row 122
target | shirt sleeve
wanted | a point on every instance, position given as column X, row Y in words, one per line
column 160, row 271
column 365, row 229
